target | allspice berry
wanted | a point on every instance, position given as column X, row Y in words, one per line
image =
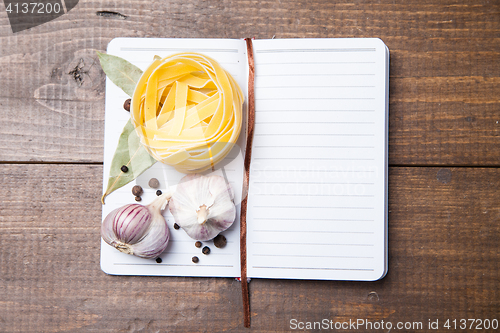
column 220, row 241
column 205, row 250
column 137, row 190
column 126, row 105
column 124, row 168
column 198, row 244
column 154, row 183
column 176, row 226
column 138, row 199
column 195, row 259
column 159, row 192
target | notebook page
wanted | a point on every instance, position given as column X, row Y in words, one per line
column 176, row 260
column 317, row 206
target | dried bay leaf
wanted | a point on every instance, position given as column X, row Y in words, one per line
column 131, row 153
column 121, row 72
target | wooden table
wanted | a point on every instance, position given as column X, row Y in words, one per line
column 444, row 178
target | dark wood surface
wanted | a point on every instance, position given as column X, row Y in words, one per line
column 444, row 152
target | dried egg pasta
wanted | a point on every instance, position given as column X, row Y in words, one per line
column 187, row 111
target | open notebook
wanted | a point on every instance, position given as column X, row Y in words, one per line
column 317, row 202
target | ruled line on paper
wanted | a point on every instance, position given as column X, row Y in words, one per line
column 189, row 241
column 323, row 86
column 318, row 231
column 311, row 219
column 316, row 268
column 317, row 122
column 313, row 170
column 319, row 195
column 371, row 49
column 220, row 63
column 191, row 253
column 320, row 74
column 309, row 134
column 260, row 110
column 326, row 183
column 318, row 98
column 314, row 207
column 340, row 147
column 310, row 256
column 320, row 244
column 314, row 62
column 314, row 158
column 162, row 264
column 178, row 49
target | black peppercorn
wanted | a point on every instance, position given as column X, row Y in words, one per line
column 205, row 250
column 124, row 168
column 198, row 244
column 138, row 198
column 220, row 241
column 137, row 190
column 126, row 105
column 158, row 193
column 158, row 260
column 176, row 226
column 195, row 259
column 154, row 183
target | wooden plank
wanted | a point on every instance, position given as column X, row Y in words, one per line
column 444, row 263
column 445, row 69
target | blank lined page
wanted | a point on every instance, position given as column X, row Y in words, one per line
column 317, row 206
column 177, row 259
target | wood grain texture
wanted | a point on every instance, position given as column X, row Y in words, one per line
column 444, row 84
column 444, row 262
column 444, row 223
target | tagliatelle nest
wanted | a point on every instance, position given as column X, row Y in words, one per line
column 187, row 111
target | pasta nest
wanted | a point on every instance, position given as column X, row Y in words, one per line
column 187, row 111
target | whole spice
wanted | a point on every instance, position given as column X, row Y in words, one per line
column 126, row 105
column 220, row 241
column 158, row 260
column 154, row 183
column 205, row 250
column 137, row 190
column 195, row 259
column 198, row 244
column 124, row 168
column 176, row 226
column 159, row 192
column 138, row 199
column 138, row 230
column 203, row 206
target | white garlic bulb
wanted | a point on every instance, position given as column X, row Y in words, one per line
column 138, row 230
column 203, row 206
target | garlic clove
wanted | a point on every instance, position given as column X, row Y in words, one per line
column 132, row 216
column 221, row 212
column 138, row 230
column 187, row 193
column 203, row 206
column 155, row 240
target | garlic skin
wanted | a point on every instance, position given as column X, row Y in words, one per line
column 138, row 230
column 203, row 206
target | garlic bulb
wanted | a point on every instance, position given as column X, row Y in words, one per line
column 138, row 230
column 203, row 206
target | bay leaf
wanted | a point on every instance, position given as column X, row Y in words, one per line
column 131, row 153
column 121, row 72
